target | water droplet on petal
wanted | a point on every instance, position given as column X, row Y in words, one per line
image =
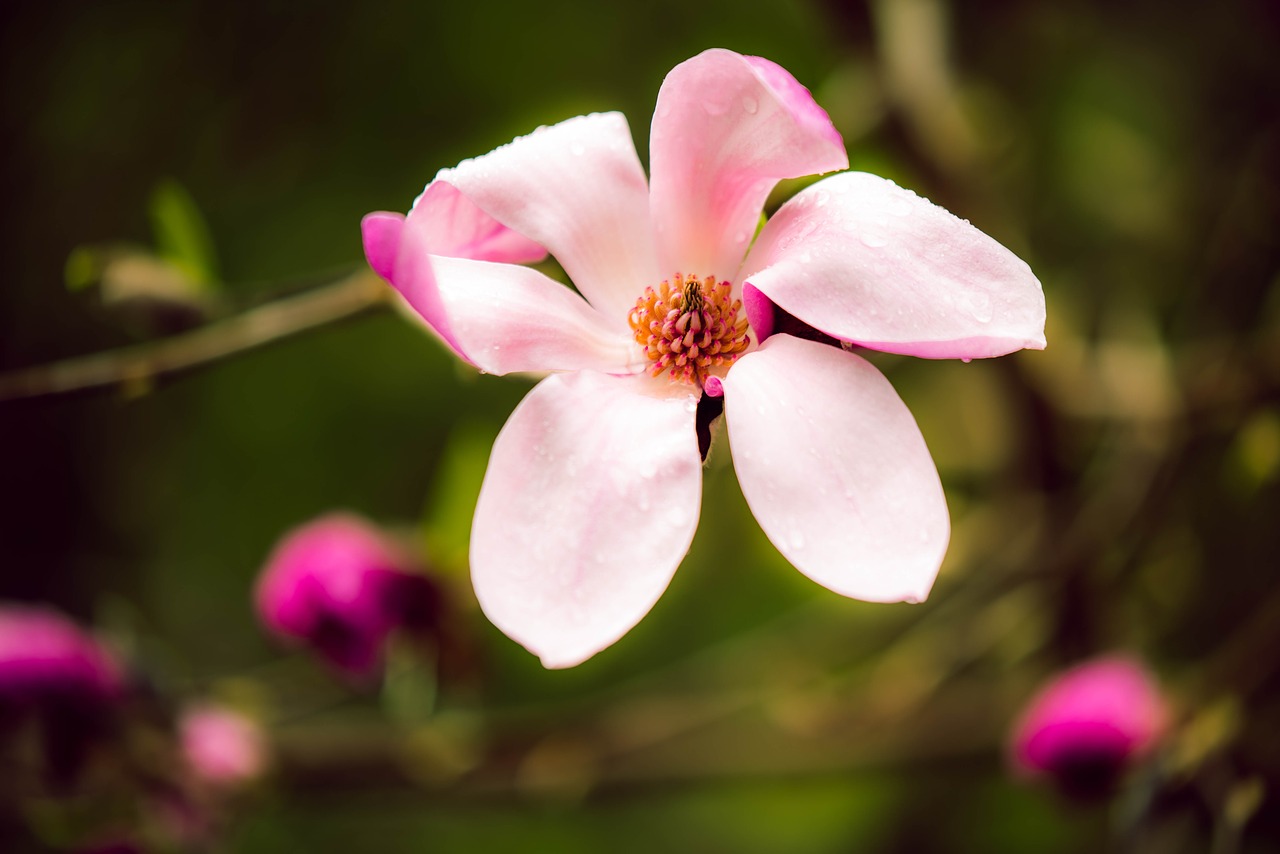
column 979, row 305
column 874, row 241
column 821, row 198
column 751, row 105
column 715, row 108
column 740, row 237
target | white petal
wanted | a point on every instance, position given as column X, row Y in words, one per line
column 866, row 261
column 835, row 470
column 578, row 189
column 588, row 506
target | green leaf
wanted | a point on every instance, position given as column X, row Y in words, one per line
column 83, row 269
column 182, row 236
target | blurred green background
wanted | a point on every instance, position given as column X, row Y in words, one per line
column 1120, row 490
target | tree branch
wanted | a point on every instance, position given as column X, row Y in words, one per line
column 258, row 326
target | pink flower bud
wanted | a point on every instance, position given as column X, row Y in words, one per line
column 339, row 586
column 44, row 656
column 61, row 677
column 1090, row 724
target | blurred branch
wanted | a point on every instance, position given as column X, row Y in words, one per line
column 143, row 363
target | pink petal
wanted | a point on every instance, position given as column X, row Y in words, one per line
column 578, row 189
column 381, row 234
column 504, row 318
column 406, row 265
column 835, row 470
column 448, row 224
column 454, row 226
column 589, row 505
column 499, row 317
column 863, row 260
column 726, row 129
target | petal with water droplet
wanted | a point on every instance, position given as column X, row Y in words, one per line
column 880, row 290
column 850, row 517
column 633, row 503
column 578, row 189
column 499, row 317
column 713, row 166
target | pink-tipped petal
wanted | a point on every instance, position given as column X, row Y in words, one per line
column 504, row 318
column 726, row 129
column 863, row 260
column 588, row 506
column 398, row 251
column 499, row 317
column 381, row 234
column 454, row 226
column 578, row 189
column 835, row 470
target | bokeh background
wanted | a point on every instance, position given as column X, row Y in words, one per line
column 170, row 164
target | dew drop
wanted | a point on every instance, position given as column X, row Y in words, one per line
column 740, row 237
column 911, row 599
column 715, row 108
column 821, row 198
column 874, row 241
column 979, row 305
column 751, row 105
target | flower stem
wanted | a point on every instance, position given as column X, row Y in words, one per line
column 142, row 363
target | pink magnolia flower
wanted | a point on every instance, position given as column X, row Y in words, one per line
column 593, row 488
column 338, row 585
column 1089, row 724
column 221, row 746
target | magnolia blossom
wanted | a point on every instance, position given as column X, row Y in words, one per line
column 593, row 488
column 340, row 586
column 1089, row 724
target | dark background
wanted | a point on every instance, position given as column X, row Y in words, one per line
column 1119, row 490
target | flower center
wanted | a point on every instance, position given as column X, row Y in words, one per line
column 688, row 326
